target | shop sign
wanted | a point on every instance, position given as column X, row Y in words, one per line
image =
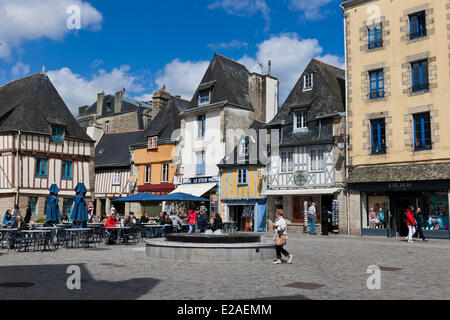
column 201, row 180
column 300, row 178
column 400, row 186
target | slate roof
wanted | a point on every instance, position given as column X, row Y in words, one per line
column 229, row 82
column 32, row 104
column 253, row 156
column 166, row 121
column 128, row 105
column 113, row 149
column 326, row 99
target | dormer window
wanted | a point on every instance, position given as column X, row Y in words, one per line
column 308, row 82
column 152, row 143
column 300, row 121
column 57, row 134
column 243, row 148
column 204, row 97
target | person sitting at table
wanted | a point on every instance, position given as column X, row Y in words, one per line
column 102, row 218
column 145, row 218
column 217, row 224
column 20, row 225
column 65, row 219
column 176, row 221
column 112, row 233
column 7, row 219
column 165, row 222
column 131, row 220
column 202, row 223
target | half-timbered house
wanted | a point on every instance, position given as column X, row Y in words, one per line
column 307, row 165
column 41, row 143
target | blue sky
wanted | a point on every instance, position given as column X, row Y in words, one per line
column 141, row 45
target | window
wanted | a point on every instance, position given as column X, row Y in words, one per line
column 375, row 36
column 201, row 163
column 201, row 124
column 204, row 96
column 420, row 76
column 41, row 168
column 152, row 142
column 317, row 160
column 376, row 84
column 300, row 120
column 422, row 131
column 149, row 121
column 67, row 170
column 108, row 106
column 287, row 164
column 148, row 174
column 57, row 134
column 107, row 126
column 417, row 25
column 32, row 202
column 165, row 173
column 243, row 147
column 378, row 130
column 308, row 82
column 67, row 207
column 116, row 177
column 242, row 176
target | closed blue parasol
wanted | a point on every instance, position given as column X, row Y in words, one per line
column 79, row 214
column 53, row 215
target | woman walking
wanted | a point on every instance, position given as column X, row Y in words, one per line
column 411, row 223
column 280, row 228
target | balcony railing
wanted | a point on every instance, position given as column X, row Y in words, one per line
column 376, row 94
column 420, row 87
column 375, row 44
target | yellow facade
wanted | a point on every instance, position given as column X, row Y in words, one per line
column 394, row 58
column 144, row 157
column 231, row 190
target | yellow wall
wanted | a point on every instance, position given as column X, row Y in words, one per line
column 155, row 158
column 398, row 105
column 230, row 189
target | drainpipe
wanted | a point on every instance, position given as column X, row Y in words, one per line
column 347, row 200
column 18, row 169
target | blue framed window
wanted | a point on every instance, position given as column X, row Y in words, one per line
column 376, row 84
column 419, row 75
column 422, row 131
column 204, row 97
column 32, row 202
column 244, row 147
column 57, row 134
column 375, row 36
column 417, row 25
column 201, row 125
column 67, row 206
column 378, row 129
column 201, row 163
column 41, row 168
column 67, row 170
column 242, row 176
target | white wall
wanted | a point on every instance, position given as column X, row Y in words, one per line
column 272, row 100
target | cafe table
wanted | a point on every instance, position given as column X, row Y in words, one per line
column 38, row 236
column 75, row 236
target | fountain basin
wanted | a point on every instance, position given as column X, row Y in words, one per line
column 211, row 248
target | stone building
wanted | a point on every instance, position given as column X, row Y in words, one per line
column 307, row 159
column 119, row 113
column 41, row 143
column 398, row 97
column 225, row 104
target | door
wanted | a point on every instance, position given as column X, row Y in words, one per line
column 260, row 217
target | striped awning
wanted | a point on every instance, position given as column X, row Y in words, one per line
column 302, row 192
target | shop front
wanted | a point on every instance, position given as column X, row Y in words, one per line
column 248, row 216
column 383, row 206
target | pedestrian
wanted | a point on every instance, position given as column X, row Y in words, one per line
column 193, row 226
column 280, row 237
column 419, row 219
column 202, row 223
column 312, row 218
column 324, row 216
column 217, row 222
column 411, row 223
column 28, row 215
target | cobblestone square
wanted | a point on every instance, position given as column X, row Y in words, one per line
column 333, row 267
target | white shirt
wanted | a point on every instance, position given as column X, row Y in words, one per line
column 312, row 211
column 280, row 225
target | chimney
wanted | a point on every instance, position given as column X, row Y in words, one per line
column 269, row 72
column 118, row 102
column 263, row 91
column 82, row 110
column 160, row 98
column 100, row 100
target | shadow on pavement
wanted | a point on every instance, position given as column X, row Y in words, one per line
column 49, row 282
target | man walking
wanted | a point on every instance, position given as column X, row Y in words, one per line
column 419, row 220
column 312, row 218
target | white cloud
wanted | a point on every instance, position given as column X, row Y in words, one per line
column 182, row 78
column 77, row 90
column 311, row 9
column 24, row 20
column 289, row 55
column 20, row 70
column 244, row 8
column 233, row 44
